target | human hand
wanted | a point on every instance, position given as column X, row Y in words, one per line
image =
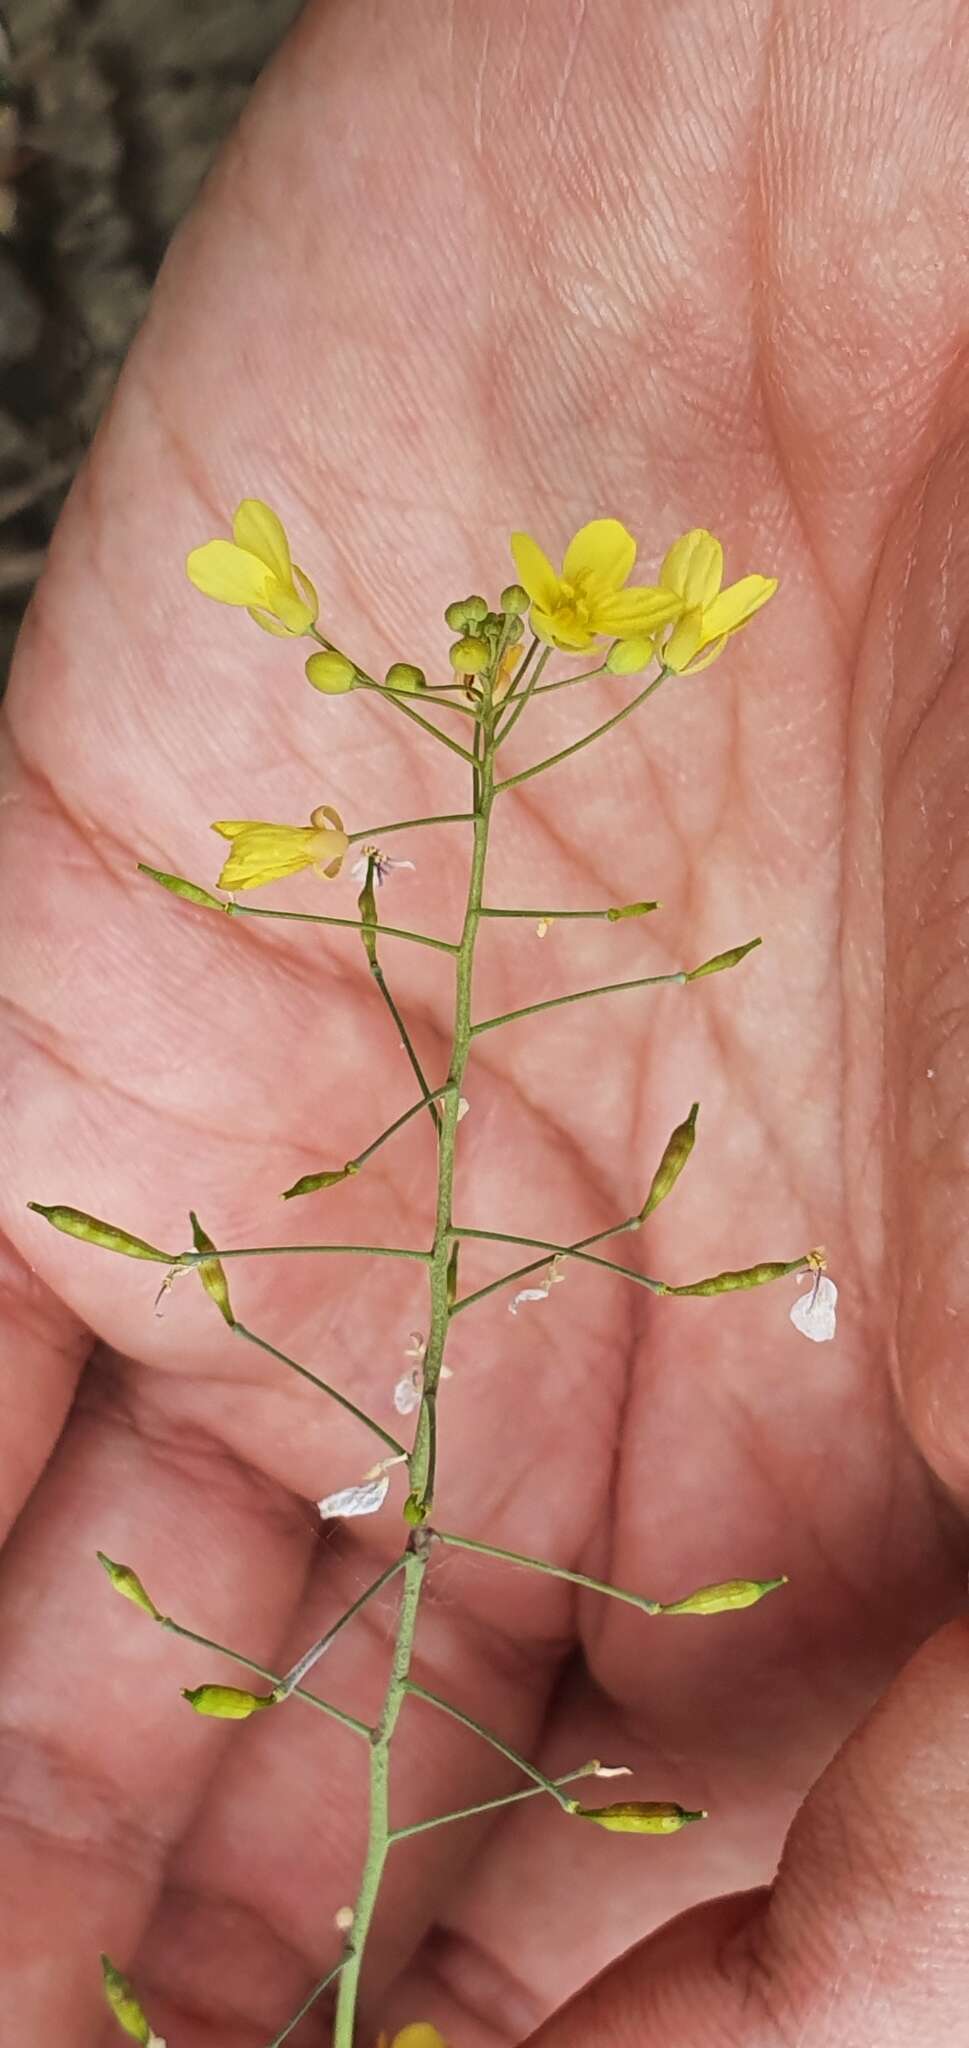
column 458, row 274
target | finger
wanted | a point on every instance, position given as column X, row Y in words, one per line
column 42, row 1349
column 855, row 1941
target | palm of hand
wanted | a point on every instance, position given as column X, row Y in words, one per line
column 787, row 390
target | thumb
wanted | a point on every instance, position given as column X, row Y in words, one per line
column 863, row 1937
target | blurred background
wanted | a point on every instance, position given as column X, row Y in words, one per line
column 110, row 113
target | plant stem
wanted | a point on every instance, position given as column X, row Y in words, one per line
column 435, row 731
column 558, row 916
column 495, row 1742
column 440, row 1820
column 405, row 1039
column 580, row 995
column 424, row 697
column 552, row 760
column 411, row 825
column 559, row 1251
column 270, row 1251
column 342, row 1400
column 347, row 924
column 572, row 1251
column 190, row 1635
column 360, row 1158
column 519, row 702
column 308, row 2003
column 378, row 1836
column 554, row 1571
column 305, row 1663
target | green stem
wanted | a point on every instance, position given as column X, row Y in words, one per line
column 441, row 1820
column 434, row 730
column 342, row 1400
column 581, row 995
column 405, row 1039
column 520, row 701
column 378, row 1833
column 425, row 697
column 360, row 1158
column 566, row 682
column 554, row 1571
column 559, row 916
column 494, row 1742
column 191, row 1635
column 308, row 2003
column 559, row 1251
column 572, row 1251
column 411, row 825
column 271, row 1251
column 552, row 761
column 305, row 1663
column 347, row 924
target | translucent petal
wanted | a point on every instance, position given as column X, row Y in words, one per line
column 228, row 574
column 407, row 1392
column 600, row 557
column 736, row 605
column 813, row 1313
column 694, row 567
column 263, row 534
column 355, row 1500
column 535, row 571
column 527, row 1294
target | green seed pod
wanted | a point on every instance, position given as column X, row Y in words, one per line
column 211, row 1272
column 127, row 1583
column 629, row 657
column 76, row 1223
column 722, row 960
column 331, row 673
column 720, row 1599
column 188, row 890
column 514, row 600
column 621, row 910
column 747, row 1276
column 120, row 1995
column 403, row 675
column 330, row 1177
column 678, row 1148
column 640, row 1816
column 227, row 1702
column 367, row 906
column 469, row 656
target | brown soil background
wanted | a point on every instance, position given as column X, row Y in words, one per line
column 110, row 113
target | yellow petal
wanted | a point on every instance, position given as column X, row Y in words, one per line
column 419, row 2035
column 307, row 592
column 562, row 629
column 267, row 853
column 324, row 814
column 602, row 553
column 230, row 828
column 684, row 640
column 633, row 612
column 694, row 567
column 258, row 530
column 736, row 605
column 228, row 573
column 292, row 611
column 535, row 571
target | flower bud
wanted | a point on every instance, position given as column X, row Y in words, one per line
column 226, row 1702
column 330, row 672
column 618, row 911
column 469, row 656
column 465, row 611
column 719, row 1599
column 628, row 657
column 77, row 1223
column 329, row 1177
column 211, row 1272
column 678, row 1149
column 127, row 1583
column 514, row 600
column 403, row 675
column 120, row 1995
column 188, row 890
column 640, row 1816
column 732, row 958
column 415, row 1511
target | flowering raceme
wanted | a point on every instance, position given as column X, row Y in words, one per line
column 693, row 573
column 255, row 569
column 267, row 853
column 574, row 609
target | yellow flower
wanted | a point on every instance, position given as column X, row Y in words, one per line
column 693, row 573
column 255, row 569
column 419, row 2035
column 265, row 853
column 588, row 599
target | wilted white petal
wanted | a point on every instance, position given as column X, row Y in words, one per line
column 407, row 1392
column 416, row 1345
column 541, row 928
column 343, row 1919
column 613, row 1771
column 359, row 869
column 463, row 1107
column 355, row 1500
column 527, row 1294
column 814, row 1313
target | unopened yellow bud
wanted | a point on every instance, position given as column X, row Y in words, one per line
column 640, row 1816
column 227, row 1702
column 211, row 1272
column 332, row 673
column 418, row 2035
column 403, row 675
column 628, row 657
column 188, row 890
column 514, row 600
column 127, row 1583
column 329, row 1177
column 678, row 1149
column 77, row 1223
column 469, row 656
column 719, row 1599
column 720, row 961
column 120, row 1995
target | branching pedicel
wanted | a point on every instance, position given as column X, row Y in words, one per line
column 679, row 626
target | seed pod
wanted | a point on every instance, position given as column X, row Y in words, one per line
column 127, row 1583
column 329, row 1177
column 747, row 1276
column 211, row 1272
column 367, row 906
column 719, row 1599
column 76, row 1223
column 640, row 1816
column 678, row 1148
column 188, row 890
column 618, row 911
column 720, row 961
column 226, row 1702
column 120, row 1995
